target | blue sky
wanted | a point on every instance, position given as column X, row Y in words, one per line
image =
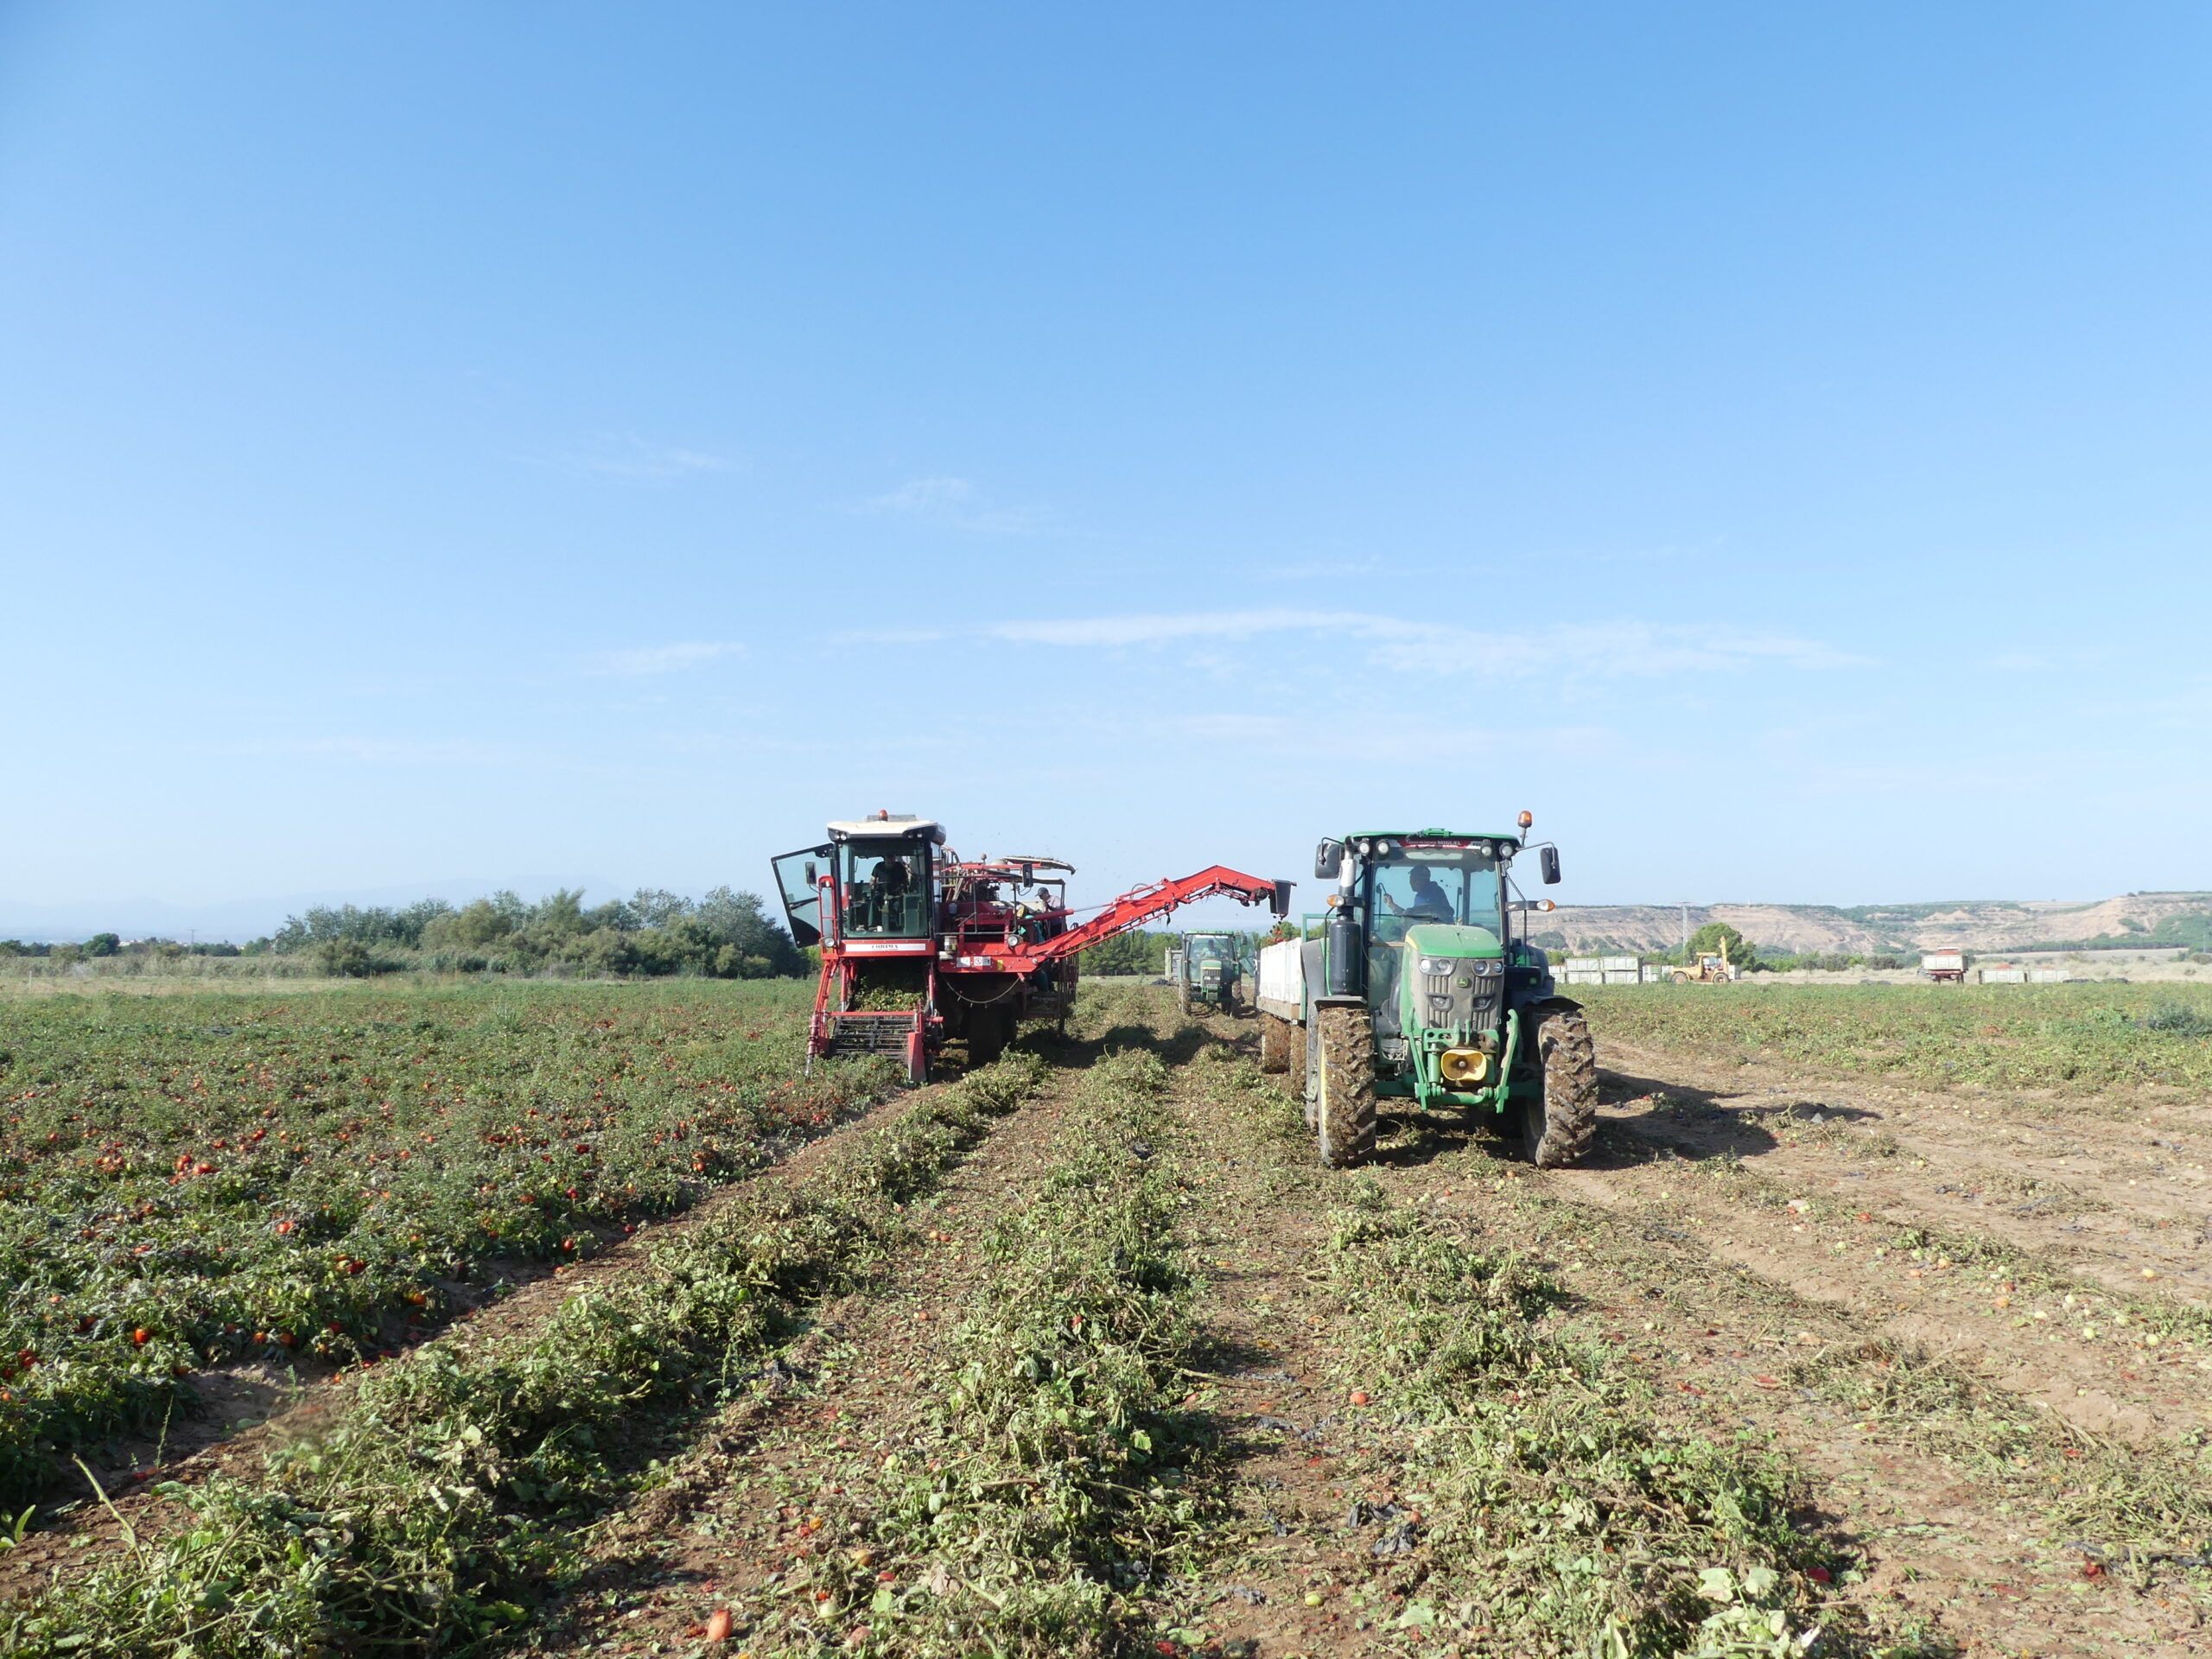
column 564, row 442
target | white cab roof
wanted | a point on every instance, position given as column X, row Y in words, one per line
column 897, row 824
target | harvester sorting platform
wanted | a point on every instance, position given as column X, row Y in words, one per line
column 920, row 948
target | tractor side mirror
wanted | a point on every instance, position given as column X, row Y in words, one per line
column 1547, row 860
column 1326, row 858
column 810, row 877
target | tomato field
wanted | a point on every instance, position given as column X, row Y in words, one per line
column 1878, row 1323
column 313, row 1180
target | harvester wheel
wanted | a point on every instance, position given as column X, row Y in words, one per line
column 1343, row 1094
column 1555, row 1130
column 986, row 1034
column 1274, row 1043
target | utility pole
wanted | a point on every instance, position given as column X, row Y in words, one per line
column 1686, row 928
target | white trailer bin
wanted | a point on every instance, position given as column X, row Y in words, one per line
column 1584, row 970
column 1619, row 970
column 1280, row 998
column 2003, row 975
column 1282, row 981
column 2046, row 976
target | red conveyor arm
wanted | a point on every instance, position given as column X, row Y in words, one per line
column 1142, row 904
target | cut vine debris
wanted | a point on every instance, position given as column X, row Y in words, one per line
column 1133, row 1373
column 446, row 1494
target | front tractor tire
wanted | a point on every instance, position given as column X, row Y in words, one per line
column 1343, row 1085
column 1555, row 1130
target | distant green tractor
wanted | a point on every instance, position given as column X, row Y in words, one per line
column 1417, row 988
column 1205, row 972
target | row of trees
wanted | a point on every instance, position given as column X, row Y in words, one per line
column 725, row 935
column 1127, row 953
column 113, row 944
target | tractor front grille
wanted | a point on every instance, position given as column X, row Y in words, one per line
column 1445, row 1003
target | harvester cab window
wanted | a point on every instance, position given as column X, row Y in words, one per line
column 1205, row 949
column 887, row 888
column 797, row 878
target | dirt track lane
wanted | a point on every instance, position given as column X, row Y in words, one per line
column 1700, row 1243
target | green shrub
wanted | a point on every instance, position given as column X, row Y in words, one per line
column 345, row 959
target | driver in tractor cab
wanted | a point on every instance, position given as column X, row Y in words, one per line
column 1428, row 902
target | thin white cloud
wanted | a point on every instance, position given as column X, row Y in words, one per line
column 389, row 751
column 662, row 659
column 1414, row 742
column 635, row 458
column 955, row 503
column 1158, row 629
column 1602, row 649
column 1323, row 570
column 888, row 637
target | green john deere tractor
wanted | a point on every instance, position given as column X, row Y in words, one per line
column 1418, row 989
column 1203, row 971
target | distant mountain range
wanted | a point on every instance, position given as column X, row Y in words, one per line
column 1984, row 926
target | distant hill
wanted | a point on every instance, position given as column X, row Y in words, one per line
column 2137, row 918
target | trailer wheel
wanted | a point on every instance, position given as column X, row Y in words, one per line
column 1343, row 1093
column 1555, row 1130
column 1274, row 1043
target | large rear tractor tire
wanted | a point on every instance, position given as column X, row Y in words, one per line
column 1344, row 1091
column 1275, row 1034
column 1555, row 1131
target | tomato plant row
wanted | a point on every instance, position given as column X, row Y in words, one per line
column 191, row 1181
column 2076, row 1038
